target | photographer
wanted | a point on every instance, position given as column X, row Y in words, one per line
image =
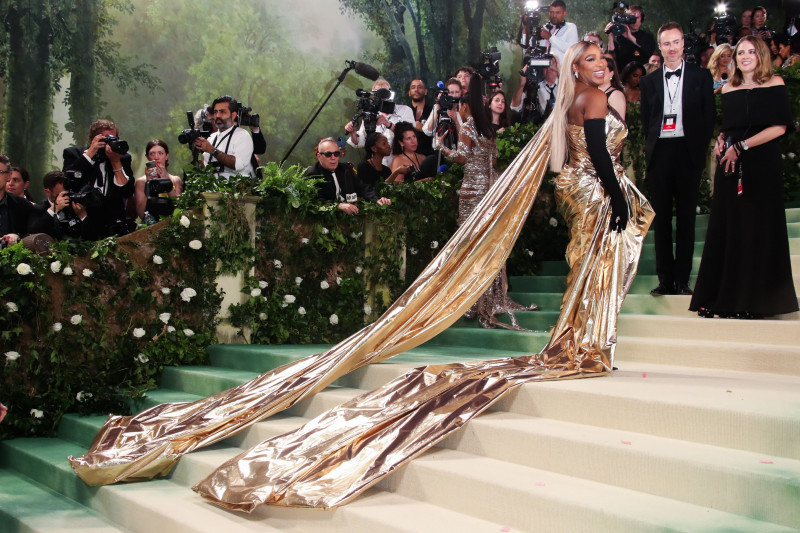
column 104, row 168
column 340, row 184
column 634, row 43
column 157, row 153
column 57, row 216
column 446, row 108
column 560, row 34
column 384, row 125
column 759, row 27
column 230, row 148
column 546, row 92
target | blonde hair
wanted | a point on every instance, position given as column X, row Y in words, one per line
column 763, row 70
column 713, row 62
column 559, row 138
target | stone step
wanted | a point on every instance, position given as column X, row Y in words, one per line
column 767, row 332
column 26, row 506
column 648, row 250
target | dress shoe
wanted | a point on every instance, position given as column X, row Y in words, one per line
column 663, row 289
column 683, row 288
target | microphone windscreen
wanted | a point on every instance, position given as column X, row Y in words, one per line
column 367, row 71
column 440, row 84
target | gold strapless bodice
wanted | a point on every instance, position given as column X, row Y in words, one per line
column 616, row 132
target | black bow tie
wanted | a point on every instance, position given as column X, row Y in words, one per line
column 673, row 73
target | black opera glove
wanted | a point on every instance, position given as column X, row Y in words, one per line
column 595, row 129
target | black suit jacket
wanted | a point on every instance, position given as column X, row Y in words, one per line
column 698, row 111
column 40, row 221
column 99, row 219
column 348, row 183
column 19, row 211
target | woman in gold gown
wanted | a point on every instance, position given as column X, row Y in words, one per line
column 341, row 453
column 477, row 151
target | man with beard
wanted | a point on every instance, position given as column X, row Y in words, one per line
column 230, row 148
column 417, row 93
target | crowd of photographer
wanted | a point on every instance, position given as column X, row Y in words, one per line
column 96, row 195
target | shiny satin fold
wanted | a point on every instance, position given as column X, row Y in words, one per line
column 341, row 453
column 149, row 444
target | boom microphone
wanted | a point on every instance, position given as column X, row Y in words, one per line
column 367, row 71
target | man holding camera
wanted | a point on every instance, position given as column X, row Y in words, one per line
column 635, row 43
column 230, row 148
column 104, row 168
column 546, row 92
column 453, row 92
column 52, row 218
column 385, row 124
column 340, row 184
column 678, row 112
column 560, row 33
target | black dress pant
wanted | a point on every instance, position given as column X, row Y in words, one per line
column 674, row 181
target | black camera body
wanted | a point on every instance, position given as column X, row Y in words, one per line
column 188, row 136
column 156, row 191
column 725, row 28
column 117, row 145
column 489, row 71
column 80, row 191
column 245, row 116
column 370, row 104
column 620, row 18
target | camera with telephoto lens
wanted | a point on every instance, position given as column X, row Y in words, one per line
column 188, row 136
column 724, row 25
column 490, row 70
column 80, row 191
column 370, row 104
column 117, row 145
column 620, row 18
column 245, row 116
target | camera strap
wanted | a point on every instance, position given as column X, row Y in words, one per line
column 218, row 142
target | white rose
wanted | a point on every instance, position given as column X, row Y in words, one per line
column 412, row 251
column 263, row 284
column 87, row 273
column 323, row 285
column 304, row 241
column 185, row 221
column 333, row 319
column 195, row 244
column 12, row 307
column 530, row 252
column 138, row 333
column 12, row 356
column 165, row 290
column 55, row 267
column 277, row 263
column 188, row 332
column 367, row 309
column 359, row 270
column 301, row 310
column 142, row 358
column 325, row 231
column 289, row 299
column 434, row 244
column 284, row 305
column 67, row 271
column 36, row 413
column 697, row 209
column 56, row 327
column 298, row 280
column 76, row 319
column 158, row 260
column 338, row 280
column 23, row 269
column 164, row 317
column 553, row 222
column 255, row 292
column 81, row 396
column 188, row 293
column 170, row 329
column 791, row 155
column 262, row 316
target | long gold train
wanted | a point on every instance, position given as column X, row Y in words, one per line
column 333, row 458
column 149, row 444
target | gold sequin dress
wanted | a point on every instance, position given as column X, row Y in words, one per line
column 479, row 177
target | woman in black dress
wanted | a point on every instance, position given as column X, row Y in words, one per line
column 372, row 170
column 746, row 269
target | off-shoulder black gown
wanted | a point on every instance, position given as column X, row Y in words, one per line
column 746, row 266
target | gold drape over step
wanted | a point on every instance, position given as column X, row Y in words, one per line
column 341, row 453
column 147, row 445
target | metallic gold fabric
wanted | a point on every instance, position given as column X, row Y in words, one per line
column 341, row 453
column 140, row 447
column 479, row 177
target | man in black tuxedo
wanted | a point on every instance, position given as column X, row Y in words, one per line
column 14, row 210
column 341, row 185
column 57, row 217
column 678, row 121
column 109, row 178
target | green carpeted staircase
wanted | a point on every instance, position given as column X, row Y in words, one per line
column 698, row 430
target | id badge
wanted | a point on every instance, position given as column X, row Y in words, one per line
column 351, row 198
column 669, row 123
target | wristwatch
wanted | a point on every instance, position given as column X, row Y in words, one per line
column 215, row 152
column 744, row 145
